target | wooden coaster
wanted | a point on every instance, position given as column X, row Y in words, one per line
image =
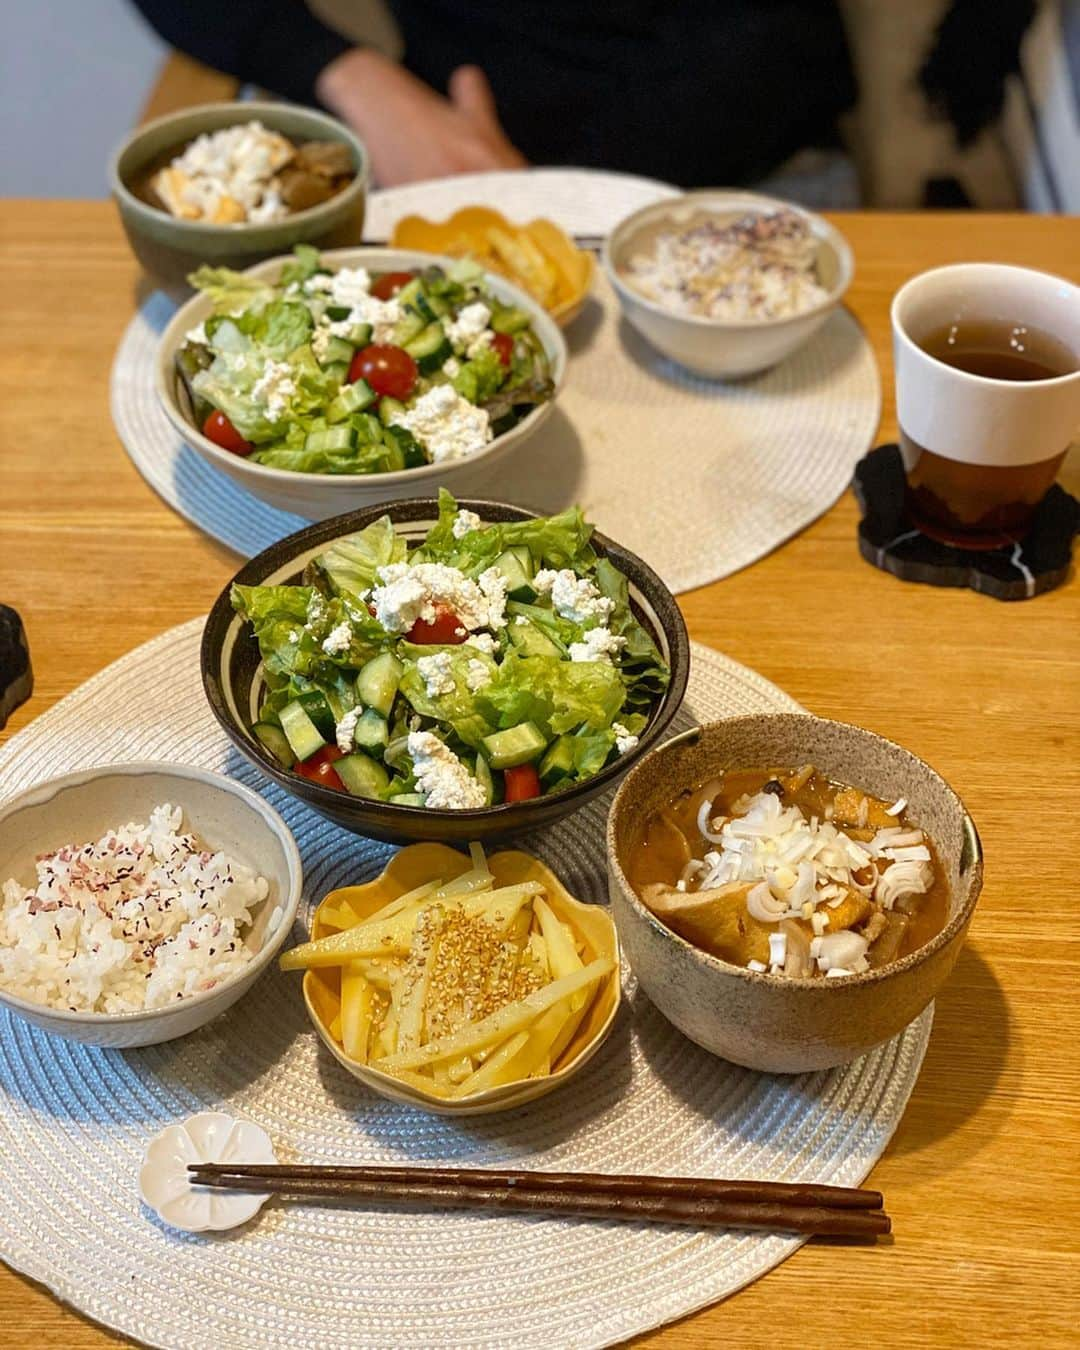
column 16, row 677
column 887, row 539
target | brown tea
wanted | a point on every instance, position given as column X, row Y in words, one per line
column 976, row 505
column 999, row 350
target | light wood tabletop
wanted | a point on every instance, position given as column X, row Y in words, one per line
column 981, row 1176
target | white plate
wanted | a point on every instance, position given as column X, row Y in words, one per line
column 74, row 1122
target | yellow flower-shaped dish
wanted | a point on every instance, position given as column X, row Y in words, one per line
column 539, row 256
column 412, row 867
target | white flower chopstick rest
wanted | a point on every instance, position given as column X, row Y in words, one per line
column 211, row 1136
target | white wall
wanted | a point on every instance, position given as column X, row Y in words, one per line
column 74, row 75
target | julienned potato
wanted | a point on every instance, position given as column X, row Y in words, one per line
column 459, row 985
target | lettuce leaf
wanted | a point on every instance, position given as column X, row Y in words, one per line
column 231, row 292
column 640, row 661
column 304, row 263
column 460, row 708
column 285, row 325
column 557, row 695
column 350, row 564
column 553, row 541
column 230, row 381
column 481, row 377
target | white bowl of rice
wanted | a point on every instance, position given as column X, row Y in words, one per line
column 139, row 901
column 726, row 283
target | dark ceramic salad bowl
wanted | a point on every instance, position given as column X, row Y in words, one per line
column 232, row 675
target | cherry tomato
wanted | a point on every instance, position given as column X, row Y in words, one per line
column 503, row 345
column 445, row 630
column 220, row 430
column 521, row 783
column 319, row 768
column 389, row 370
column 390, row 283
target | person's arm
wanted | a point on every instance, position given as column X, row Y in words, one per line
column 411, row 132
column 278, row 44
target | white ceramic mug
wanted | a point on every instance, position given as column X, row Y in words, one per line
column 981, row 453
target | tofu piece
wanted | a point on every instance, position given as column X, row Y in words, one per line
column 716, row 920
column 849, row 913
column 848, row 810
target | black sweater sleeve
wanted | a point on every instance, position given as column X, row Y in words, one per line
column 278, row 44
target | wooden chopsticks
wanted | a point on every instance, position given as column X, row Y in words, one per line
column 823, row 1211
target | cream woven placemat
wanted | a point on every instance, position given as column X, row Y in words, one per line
column 74, row 1121
column 700, row 478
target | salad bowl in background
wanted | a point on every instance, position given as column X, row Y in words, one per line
column 318, row 496
column 233, row 680
column 221, row 812
column 170, row 248
column 723, row 348
column 771, row 1022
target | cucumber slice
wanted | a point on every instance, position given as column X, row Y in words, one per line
column 336, row 349
column 509, row 319
column 518, row 745
column 395, row 456
column 377, row 682
column 389, row 408
column 430, row 348
column 408, row 799
column 369, row 429
column 362, row 775
column 351, row 398
column 276, row 742
column 333, row 438
column 484, row 778
column 411, row 452
column 518, row 581
column 359, row 335
column 408, row 294
column 525, row 558
column 558, row 763
column 529, row 639
column 314, row 703
column 372, row 733
column 407, row 328
column 337, row 370
column 302, row 734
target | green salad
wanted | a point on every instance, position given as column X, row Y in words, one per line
column 351, row 371
column 493, row 662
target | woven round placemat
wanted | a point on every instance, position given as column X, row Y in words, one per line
column 74, row 1121
column 699, row 477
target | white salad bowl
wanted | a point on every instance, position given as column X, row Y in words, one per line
column 319, row 496
column 224, row 814
column 722, row 348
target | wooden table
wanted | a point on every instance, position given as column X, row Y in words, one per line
column 981, row 1177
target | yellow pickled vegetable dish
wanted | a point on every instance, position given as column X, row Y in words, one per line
column 467, row 980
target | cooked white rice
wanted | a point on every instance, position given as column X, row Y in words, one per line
column 140, row 919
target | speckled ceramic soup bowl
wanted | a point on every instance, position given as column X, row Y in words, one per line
column 766, row 1021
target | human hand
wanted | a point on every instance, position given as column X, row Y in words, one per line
column 412, row 132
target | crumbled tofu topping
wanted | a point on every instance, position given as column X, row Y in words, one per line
column 410, row 593
column 435, row 672
column 445, row 782
column 447, row 425
column 575, row 598
column 599, row 645
column 464, row 523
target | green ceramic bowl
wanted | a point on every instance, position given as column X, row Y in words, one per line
column 169, row 248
